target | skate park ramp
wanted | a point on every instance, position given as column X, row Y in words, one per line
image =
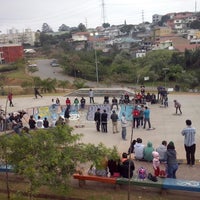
column 100, row 92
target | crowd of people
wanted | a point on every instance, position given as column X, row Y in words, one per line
column 165, row 153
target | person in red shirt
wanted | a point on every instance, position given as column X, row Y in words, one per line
column 68, row 103
column 136, row 117
column 10, row 96
column 138, row 98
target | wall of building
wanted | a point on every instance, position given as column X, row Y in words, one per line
column 11, row 53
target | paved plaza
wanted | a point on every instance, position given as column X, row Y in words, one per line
column 167, row 125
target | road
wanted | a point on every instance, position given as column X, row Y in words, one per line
column 45, row 70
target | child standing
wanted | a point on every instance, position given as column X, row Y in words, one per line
column 156, row 163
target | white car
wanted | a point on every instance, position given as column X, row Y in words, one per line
column 32, row 65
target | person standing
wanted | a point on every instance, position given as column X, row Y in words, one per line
column 147, row 117
column 189, row 142
column 114, row 103
column 114, row 117
column 68, row 103
column 91, row 96
column 104, row 119
column 58, row 101
column 76, row 104
column 156, row 163
column 82, row 102
column 124, row 125
column 67, row 115
column 141, row 117
column 10, row 97
column 36, row 91
column 177, row 105
column 97, row 119
column 171, row 161
column 136, row 117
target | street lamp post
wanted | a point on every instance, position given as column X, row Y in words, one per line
column 95, row 57
column 165, row 71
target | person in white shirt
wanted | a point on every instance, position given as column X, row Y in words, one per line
column 39, row 123
column 139, row 149
column 189, row 142
column 91, row 96
column 123, row 125
column 162, row 148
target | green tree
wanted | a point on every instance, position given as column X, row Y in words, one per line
column 106, row 25
column 46, row 157
column 122, row 68
column 50, row 157
column 63, row 84
column 37, row 81
column 46, row 28
column 82, row 27
column 63, row 27
column 70, row 64
column 127, row 28
column 163, row 20
column 195, row 24
column 79, row 83
column 175, row 72
column 48, row 85
column 4, row 154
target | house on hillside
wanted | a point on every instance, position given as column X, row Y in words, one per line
column 140, row 53
column 164, row 44
column 179, row 43
column 80, row 36
column 156, row 18
column 193, row 35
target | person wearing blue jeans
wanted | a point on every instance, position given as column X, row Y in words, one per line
column 147, row 117
column 189, row 142
column 124, row 125
column 171, row 161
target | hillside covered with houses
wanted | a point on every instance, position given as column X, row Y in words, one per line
column 173, row 31
column 167, row 49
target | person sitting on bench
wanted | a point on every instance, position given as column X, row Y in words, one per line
column 124, row 167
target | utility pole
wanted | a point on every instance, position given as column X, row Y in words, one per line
column 195, row 6
column 103, row 11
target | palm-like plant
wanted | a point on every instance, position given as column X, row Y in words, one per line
column 63, row 84
column 48, row 85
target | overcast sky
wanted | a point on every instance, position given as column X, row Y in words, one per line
column 21, row 14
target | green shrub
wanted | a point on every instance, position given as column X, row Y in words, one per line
column 8, row 68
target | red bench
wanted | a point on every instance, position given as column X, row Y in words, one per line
column 83, row 178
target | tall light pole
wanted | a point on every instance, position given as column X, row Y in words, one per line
column 165, row 70
column 95, row 57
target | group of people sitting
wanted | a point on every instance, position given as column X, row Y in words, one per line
column 164, row 153
column 12, row 120
column 138, row 98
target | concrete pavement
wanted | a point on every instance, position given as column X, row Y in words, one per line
column 167, row 125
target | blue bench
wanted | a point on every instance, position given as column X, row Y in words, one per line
column 178, row 184
column 164, row 183
column 3, row 168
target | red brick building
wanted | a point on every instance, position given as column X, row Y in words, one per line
column 11, row 53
